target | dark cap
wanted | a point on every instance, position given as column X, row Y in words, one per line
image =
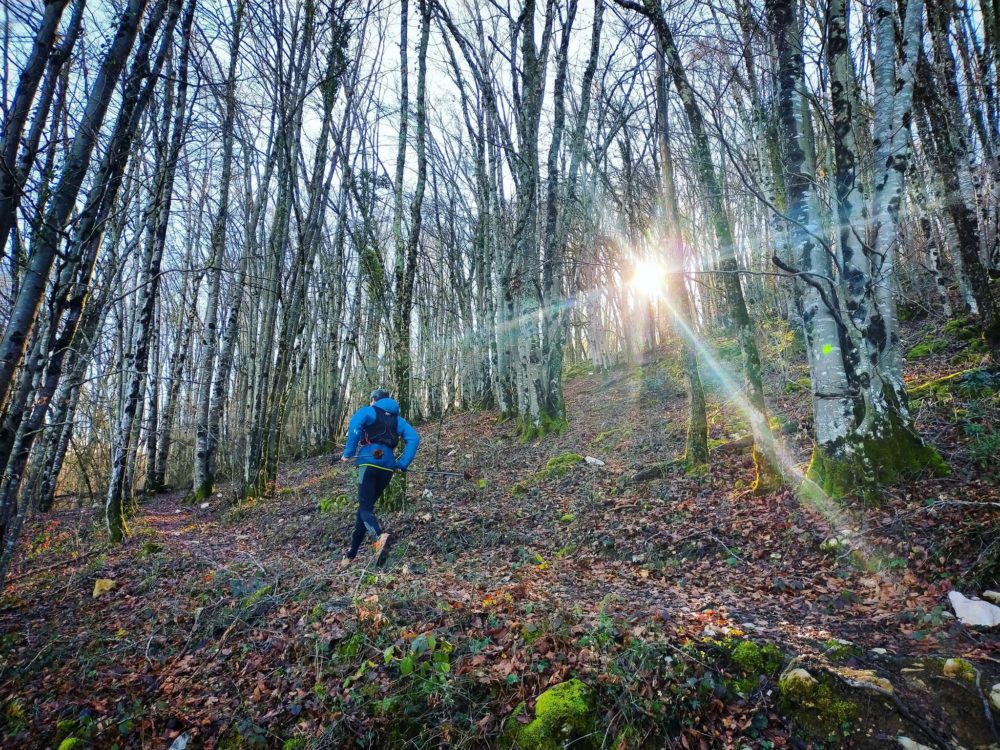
column 379, row 393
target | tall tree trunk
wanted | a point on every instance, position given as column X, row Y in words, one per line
column 406, row 260
column 204, row 453
column 17, row 116
column 765, row 456
column 696, row 442
column 137, row 358
column 23, row 314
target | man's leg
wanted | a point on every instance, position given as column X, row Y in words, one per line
column 357, row 536
column 365, row 521
column 371, row 487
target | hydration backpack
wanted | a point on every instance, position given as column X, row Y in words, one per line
column 383, row 431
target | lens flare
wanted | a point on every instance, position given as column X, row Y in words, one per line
column 649, row 279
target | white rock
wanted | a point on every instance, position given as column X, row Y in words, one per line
column 181, row 742
column 974, row 611
column 468, row 456
column 204, row 505
column 995, row 696
column 992, row 596
column 909, row 744
column 593, row 461
column 879, row 651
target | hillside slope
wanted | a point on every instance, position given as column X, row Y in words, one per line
column 233, row 627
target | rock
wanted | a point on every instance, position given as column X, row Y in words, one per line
column 907, row 744
column 203, row 506
column 974, row 611
column 564, row 714
column 959, row 669
column 102, row 586
column 593, row 461
column 995, row 696
column 880, row 652
column 795, row 680
column 181, row 742
column 992, row 596
column 819, row 706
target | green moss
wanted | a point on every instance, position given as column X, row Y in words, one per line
column 72, row 743
column 816, row 706
column 546, row 424
column 753, row 659
column 349, row 649
column 926, row 348
column 257, row 595
column 199, row 495
column 559, row 466
column 838, row 650
column 563, row 713
column 567, row 518
column 556, row 467
column 65, row 728
column 798, row 386
column 961, row 328
column 898, row 455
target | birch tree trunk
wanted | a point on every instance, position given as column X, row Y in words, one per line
column 204, row 454
column 136, row 363
column 14, row 123
column 679, row 299
column 63, row 201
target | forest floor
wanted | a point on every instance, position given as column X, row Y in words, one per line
column 232, row 626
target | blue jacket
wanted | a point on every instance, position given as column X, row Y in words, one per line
column 365, row 454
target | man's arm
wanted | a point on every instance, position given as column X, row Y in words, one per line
column 412, row 440
column 354, row 430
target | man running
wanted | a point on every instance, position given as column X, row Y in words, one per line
column 372, row 436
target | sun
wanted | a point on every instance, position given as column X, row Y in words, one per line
column 648, row 279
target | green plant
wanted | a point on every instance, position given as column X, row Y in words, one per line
column 984, row 445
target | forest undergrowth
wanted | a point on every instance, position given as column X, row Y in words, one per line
column 677, row 601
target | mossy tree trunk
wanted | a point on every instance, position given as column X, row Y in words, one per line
column 678, row 298
column 863, row 435
column 766, row 463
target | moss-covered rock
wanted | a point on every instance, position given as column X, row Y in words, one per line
column 555, row 468
column 959, row 669
column 563, row 713
column 818, row 706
